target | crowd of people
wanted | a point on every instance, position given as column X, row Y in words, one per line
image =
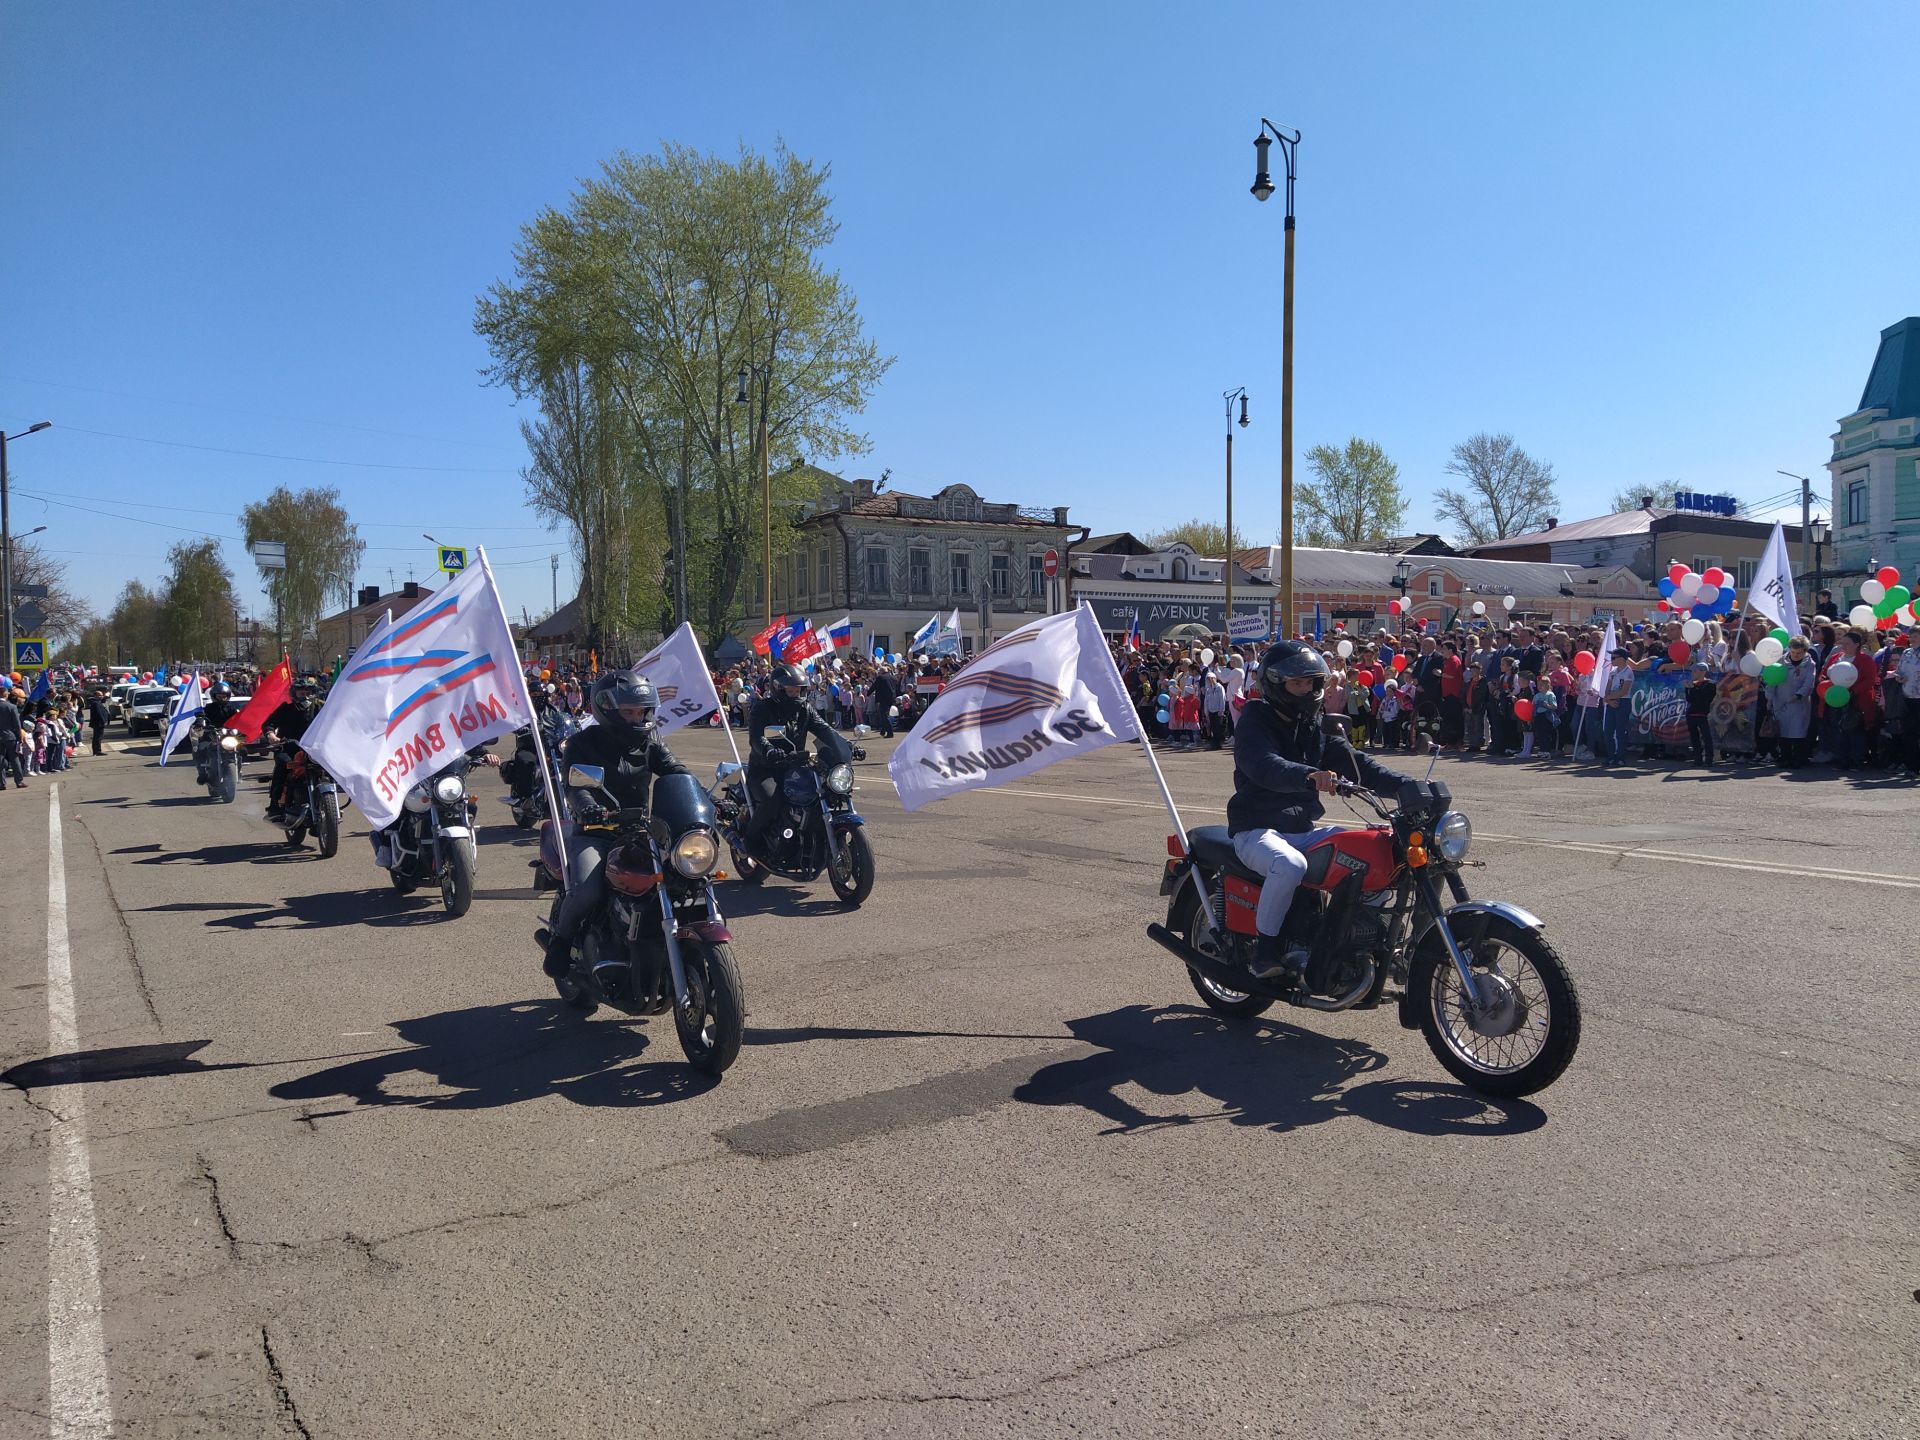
column 42, row 727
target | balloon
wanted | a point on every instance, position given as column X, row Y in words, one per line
column 1206, row 656
column 1523, row 710
column 1583, row 662
column 1779, row 633
column 1692, row 631
column 1888, row 576
column 1714, row 575
column 1161, row 716
column 1399, row 663
column 893, row 712
column 1750, row 664
column 1689, row 586
column 1662, row 605
column 1775, row 674
column 1344, row 649
column 1843, row 673
column 1886, row 622
column 1508, row 601
column 1366, row 678
column 1161, row 699
column 1885, row 608
column 1677, row 572
column 1708, row 595
column 1769, row 650
column 1479, row 607
column 1899, row 595
column 1872, row 591
column 1393, row 606
column 1905, row 616
column 1837, row 697
column 1667, row 587
column 1678, row 652
column 1861, row 615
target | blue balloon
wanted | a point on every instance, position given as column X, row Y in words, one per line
column 1666, row 588
column 1161, row 699
column 1161, row 716
column 1379, row 688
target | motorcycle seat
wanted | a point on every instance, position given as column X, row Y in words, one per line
column 1213, row 848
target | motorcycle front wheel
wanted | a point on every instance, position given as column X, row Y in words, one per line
column 229, row 782
column 1523, row 1036
column 1222, row 1000
column 852, row 877
column 326, row 827
column 714, row 1019
column 456, row 880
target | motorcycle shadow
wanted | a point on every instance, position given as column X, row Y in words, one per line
column 343, row 907
column 493, row 1055
column 778, row 896
column 1263, row 1073
column 259, row 852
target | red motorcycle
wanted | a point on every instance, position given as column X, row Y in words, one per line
column 1478, row 977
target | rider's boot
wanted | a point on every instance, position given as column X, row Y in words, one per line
column 559, row 957
column 1273, row 960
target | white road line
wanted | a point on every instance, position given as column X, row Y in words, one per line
column 80, row 1402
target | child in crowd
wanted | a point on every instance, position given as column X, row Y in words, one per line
column 1700, row 693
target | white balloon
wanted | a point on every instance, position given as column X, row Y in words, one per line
column 1769, row 650
column 1692, row 630
column 1904, row 615
column 1843, row 672
column 1872, row 591
column 1344, row 649
column 837, row 663
column 1750, row 662
column 1206, row 656
column 1863, row 616
column 1507, row 600
column 1689, row 585
column 1479, row 607
column 1706, row 596
column 893, row 712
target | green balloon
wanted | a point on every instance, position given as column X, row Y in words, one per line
column 1775, row 674
column 1837, row 697
column 1887, row 606
column 1781, row 635
column 1898, row 595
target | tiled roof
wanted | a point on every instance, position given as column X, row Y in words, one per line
column 1894, row 382
column 1603, row 527
column 1119, row 567
column 1363, row 570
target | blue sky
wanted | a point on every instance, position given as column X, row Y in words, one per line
column 1651, row 240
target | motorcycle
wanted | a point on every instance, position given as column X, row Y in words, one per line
column 817, row 827
column 659, row 941
column 216, row 756
column 433, row 840
column 1478, row 978
column 527, row 797
column 313, row 803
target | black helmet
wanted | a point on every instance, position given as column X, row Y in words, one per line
column 1291, row 660
column 625, row 703
column 786, row 677
column 222, row 690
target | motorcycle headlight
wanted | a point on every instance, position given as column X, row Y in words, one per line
column 229, row 742
column 416, row 800
column 1452, row 835
column 695, row 854
column 448, row 789
column 840, row 779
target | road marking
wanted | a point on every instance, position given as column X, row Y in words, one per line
column 80, row 1402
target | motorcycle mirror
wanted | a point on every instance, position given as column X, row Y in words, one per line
column 1334, row 725
column 586, row 777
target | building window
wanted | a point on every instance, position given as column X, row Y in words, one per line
column 824, row 586
column 920, row 571
column 961, row 572
column 1433, row 587
column 1857, row 503
column 882, row 644
column 1704, row 563
column 1747, row 567
column 1002, row 576
column 877, row 572
column 1036, row 575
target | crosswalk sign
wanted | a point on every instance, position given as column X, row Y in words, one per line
column 453, row 559
column 29, row 654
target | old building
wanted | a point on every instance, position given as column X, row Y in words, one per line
column 1646, row 541
column 1875, row 469
column 338, row 635
column 1173, row 591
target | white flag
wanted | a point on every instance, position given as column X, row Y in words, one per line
column 925, row 633
column 952, row 623
column 1772, row 590
column 1603, row 662
column 420, row 692
column 681, row 679
column 192, row 703
column 1047, row 692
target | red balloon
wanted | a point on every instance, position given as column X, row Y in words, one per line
column 1363, row 678
column 1678, row 652
column 1523, row 710
column 1677, row 572
column 1713, row 575
column 1888, row 576
column 1399, row 663
column 1887, row 622
column 1662, row 605
column 1583, row 662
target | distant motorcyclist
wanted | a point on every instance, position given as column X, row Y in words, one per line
column 1283, row 762
column 624, row 746
column 783, row 705
column 215, row 711
column 283, row 730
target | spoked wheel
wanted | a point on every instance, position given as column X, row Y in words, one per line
column 1524, row 1030
column 326, row 829
column 745, row 867
column 1235, row 1004
column 714, row 1019
column 456, row 880
column 852, row 874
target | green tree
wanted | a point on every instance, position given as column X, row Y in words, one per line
column 671, row 276
column 1508, row 492
column 323, row 556
column 1354, row 498
column 1207, row 538
column 197, row 604
column 133, row 627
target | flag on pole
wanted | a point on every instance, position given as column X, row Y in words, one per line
column 421, row 691
column 42, row 687
column 1046, row 692
column 1603, row 662
column 804, row 647
column 681, row 679
column 839, row 633
column 1772, row 590
column 271, row 695
column 781, row 639
column 1316, row 622
column 763, row 642
column 952, row 622
column 1133, row 632
column 192, row 703
column 926, row 632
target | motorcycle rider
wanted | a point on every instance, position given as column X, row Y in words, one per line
column 283, row 730
column 624, row 746
column 782, row 705
column 214, row 714
column 1283, row 762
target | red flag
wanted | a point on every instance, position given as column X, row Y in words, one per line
column 802, row 647
column 272, row 694
column 762, row 642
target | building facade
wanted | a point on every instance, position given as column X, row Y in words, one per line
column 1646, row 541
column 1171, row 591
column 1875, row 470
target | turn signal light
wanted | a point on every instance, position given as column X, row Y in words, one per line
column 1416, row 855
column 1175, row 848
column 719, row 874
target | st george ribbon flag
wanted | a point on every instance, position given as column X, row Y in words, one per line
column 1047, row 692
column 420, row 692
column 680, row 679
column 1772, row 590
column 192, row 702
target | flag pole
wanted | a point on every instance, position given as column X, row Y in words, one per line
column 1146, row 743
column 554, row 812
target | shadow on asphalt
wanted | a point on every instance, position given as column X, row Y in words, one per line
column 259, row 852
column 387, row 908
column 137, row 1062
column 1265, row 1073
column 493, row 1055
column 776, row 896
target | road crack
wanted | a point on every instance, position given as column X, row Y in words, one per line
column 283, row 1397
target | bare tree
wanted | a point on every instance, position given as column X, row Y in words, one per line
column 1507, row 492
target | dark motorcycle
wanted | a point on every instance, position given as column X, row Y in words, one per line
column 216, row 757
column 816, row 828
column 433, row 840
column 313, row 803
column 1479, row 979
column 527, row 796
column 659, row 941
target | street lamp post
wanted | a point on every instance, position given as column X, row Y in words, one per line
column 6, row 537
column 1817, row 532
column 1263, row 188
column 1402, row 577
column 1230, row 396
column 762, row 374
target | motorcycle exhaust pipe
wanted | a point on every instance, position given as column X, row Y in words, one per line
column 1228, row 975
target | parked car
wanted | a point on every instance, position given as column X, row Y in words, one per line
column 117, row 698
column 148, row 707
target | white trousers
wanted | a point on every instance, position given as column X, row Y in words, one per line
column 1278, row 857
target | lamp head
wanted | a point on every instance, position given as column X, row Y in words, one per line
column 1243, row 411
column 740, row 396
column 40, row 425
column 1817, row 532
column 1262, row 181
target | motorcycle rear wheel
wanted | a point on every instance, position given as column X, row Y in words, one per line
column 1234, row 1004
column 1534, row 977
column 852, row 880
column 714, row 1021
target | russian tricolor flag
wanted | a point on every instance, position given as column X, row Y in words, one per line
column 1133, row 632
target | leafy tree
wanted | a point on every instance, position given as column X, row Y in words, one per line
column 1508, row 492
column 67, row 614
column 196, row 619
column 1355, row 497
column 1207, row 537
column 133, row 626
column 668, row 276
column 323, row 556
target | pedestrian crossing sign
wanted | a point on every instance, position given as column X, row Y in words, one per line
column 453, row 559
column 29, row 654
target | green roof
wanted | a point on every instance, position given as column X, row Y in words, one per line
column 1894, row 384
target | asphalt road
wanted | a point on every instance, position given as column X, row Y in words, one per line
column 984, row 1166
